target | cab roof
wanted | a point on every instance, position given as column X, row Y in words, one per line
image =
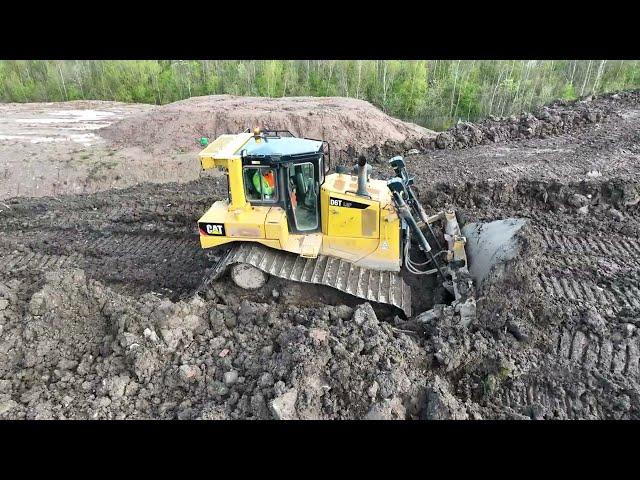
column 279, row 147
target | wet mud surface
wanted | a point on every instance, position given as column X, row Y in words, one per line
column 98, row 317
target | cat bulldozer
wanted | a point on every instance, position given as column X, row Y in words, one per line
column 286, row 215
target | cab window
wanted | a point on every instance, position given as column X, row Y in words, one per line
column 260, row 184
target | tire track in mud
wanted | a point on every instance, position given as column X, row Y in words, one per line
column 591, row 281
column 611, row 346
column 36, row 261
column 571, row 263
column 145, row 263
column 527, row 397
column 550, row 169
column 136, row 242
column 595, row 352
column 136, row 263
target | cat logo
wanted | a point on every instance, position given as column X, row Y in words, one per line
column 212, row 229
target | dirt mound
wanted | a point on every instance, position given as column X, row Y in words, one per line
column 557, row 118
column 351, row 126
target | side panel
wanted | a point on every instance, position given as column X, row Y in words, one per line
column 219, row 225
column 275, row 226
column 376, row 254
column 352, row 249
column 387, row 253
column 247, row 223
column 358, row 230
column 350, row 216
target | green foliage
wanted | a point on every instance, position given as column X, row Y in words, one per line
column 433, row 93
column 468, row 105
column 569, row 93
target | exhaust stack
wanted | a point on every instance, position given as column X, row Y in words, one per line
column 362, row 176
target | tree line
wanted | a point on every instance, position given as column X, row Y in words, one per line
column 432, row 93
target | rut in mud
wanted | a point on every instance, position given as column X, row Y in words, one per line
column 92, row 326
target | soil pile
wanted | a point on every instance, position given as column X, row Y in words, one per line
column 557, row 118
column 75, row 349
column 351, row 126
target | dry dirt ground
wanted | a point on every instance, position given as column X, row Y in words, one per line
column 56, row 148
column 89, row 146
column 98, row 317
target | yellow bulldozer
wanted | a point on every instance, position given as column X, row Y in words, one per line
column 286, row 215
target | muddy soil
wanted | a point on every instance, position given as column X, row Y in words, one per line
column 98, row 317
column 549, row 120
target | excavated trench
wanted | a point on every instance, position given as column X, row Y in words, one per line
column 92, row 325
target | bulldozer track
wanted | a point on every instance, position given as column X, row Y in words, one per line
column 541, row 169
column 36, row 260
column 376, row 286
column 522, row 397
column 598, row 270
column 570, row 272
column 593, row 352
column 137, row 263
column 593, row 245
column 570, row 261
column 614, row 297
column 144, row 245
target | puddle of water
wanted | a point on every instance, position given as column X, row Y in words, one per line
column 14, row 137
column 92, row 126
column 86, row 126
column 57, row 126
column 84, row 138
column 82, row 115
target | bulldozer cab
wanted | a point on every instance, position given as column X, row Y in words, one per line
column 285, row 171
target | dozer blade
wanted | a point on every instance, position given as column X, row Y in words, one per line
column 376, row 286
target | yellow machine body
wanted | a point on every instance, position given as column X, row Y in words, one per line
column 363, row 230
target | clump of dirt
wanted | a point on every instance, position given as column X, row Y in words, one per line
column 351, row 126
column 72, row 348
column 578, row 197
column 546, row 121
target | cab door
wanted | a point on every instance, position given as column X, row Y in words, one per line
column 302, row 179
